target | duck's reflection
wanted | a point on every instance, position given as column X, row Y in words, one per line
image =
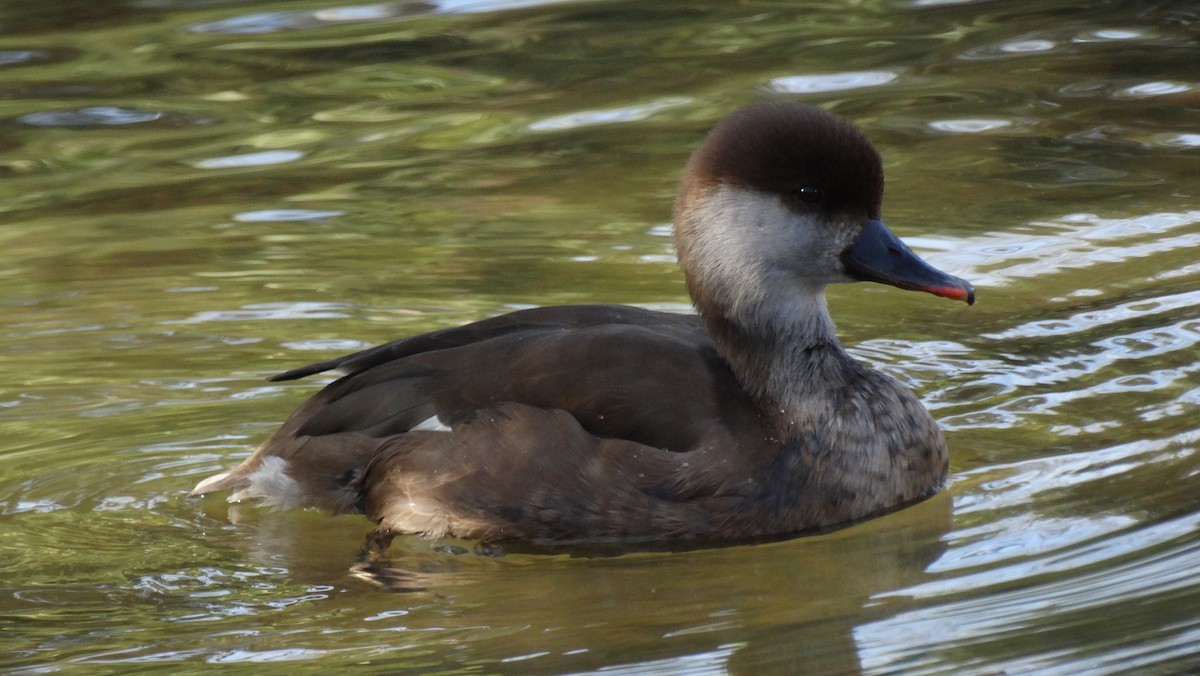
column 788, row 607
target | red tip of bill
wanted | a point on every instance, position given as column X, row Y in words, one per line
column 964, row 293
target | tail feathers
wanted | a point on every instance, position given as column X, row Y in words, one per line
column 218, row 482
column 264, row 478
column 286, row 483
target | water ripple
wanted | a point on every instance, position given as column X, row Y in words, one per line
column 270, row 311
column 1090, row 319
column 997, row 381
column 22, row 57
column 1071, row 242
column 1109, row 35
column 969, row 126
column 831, row 82
column 1019, row 47
column 285, row 215
column 266, row 157
column 1017, row 485
column 1149, row 89
column 101, row 116
column 271, row 22
column 1119, row 571
column 589, row 118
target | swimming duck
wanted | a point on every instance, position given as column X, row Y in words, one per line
column 609, row 423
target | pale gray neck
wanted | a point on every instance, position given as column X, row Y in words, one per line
column 757, row 273
column 783, row 354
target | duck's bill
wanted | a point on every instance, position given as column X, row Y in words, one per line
column 879, row 256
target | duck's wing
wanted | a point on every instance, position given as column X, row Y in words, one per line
column 618, row 392
column 522, row 472
column 533, row 320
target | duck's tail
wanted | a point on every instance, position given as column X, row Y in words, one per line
column 306, row 471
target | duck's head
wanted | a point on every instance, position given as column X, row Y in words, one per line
column 781, row 200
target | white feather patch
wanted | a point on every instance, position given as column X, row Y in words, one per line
column 271, row 483
column 431, row 424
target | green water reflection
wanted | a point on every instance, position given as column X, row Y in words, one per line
column 196, row 195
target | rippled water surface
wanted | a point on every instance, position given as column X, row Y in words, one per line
column 195, row 195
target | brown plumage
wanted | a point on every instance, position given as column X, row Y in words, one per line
column 604, row 423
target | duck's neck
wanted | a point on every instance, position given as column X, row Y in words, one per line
column 783, row 350
column 756, row 271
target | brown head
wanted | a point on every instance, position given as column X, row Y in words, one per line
column 781, row 200
column 806, row 156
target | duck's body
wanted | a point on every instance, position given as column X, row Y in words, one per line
column 611, row 423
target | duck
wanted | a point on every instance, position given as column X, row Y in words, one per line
column 581, row 424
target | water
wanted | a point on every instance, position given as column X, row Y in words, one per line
column 197, row 195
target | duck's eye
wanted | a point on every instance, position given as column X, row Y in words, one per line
column 810, row 195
